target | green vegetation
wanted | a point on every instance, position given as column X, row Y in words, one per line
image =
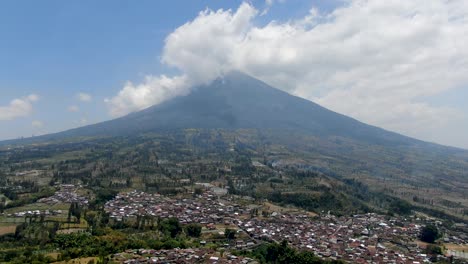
column 193, row 230
column 229, row 233
column 25, row 196
column 75, row 210
column 400, row 207
column 286, row 170
column 429, row 233
column 283, row 254
column 290, row 171
column 434, row 250
column 170, row 227
column 32, row 238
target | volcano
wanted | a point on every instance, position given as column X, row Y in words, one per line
column 238, row 101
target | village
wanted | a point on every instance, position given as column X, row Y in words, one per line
column 358, row 239
column 66, row 194
column 197, row 255
column 365, row 238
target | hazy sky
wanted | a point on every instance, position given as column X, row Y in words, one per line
column 401, row 65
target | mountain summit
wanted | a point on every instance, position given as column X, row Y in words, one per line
column 237, row 101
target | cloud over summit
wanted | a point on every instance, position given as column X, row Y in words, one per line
column 198, row 49
column 372, row 60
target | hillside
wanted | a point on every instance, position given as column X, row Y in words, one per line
column 239, row 116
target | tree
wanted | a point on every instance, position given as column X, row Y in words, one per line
column 198, row 191
column 91, row 217
column 231, row 187
column 429, row 234
column 75, row 210
column 400, row 207
column 229, row 233
column 433, row 250
column 193, row 230
column 275, row 253
column 170, row 227
column 19, row 230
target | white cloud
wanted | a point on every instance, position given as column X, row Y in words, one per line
column 19, row 107
column 84, row 97
column 372, row 60
column 152, row 91
column 37, row 124
column 73, row 108
column 196, row 70
column 206, row 47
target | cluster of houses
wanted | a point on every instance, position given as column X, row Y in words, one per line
column 196, row 255
column 36, row 213
column 367, row 238
column 204, row 209
column 66, row 194
column 457, row 234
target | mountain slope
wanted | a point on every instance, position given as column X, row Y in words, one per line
column 238, row 101
column 239, row 116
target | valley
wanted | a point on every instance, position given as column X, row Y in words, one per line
column 234, row 172
column 268, row 180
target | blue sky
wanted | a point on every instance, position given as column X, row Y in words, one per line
column 58, row 49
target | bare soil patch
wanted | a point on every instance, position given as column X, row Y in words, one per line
column 7, row 230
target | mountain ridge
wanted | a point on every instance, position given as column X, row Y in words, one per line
column 235, row 101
